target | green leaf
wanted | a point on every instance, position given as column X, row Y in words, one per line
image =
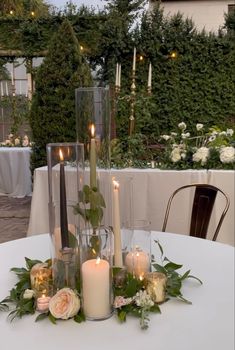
column 30, row 263
column 160, row 268
column 42, row 316
column 52, row 318
column 122, row 315
column 80, row 317
column 190, row 276
column 160, row 247
column 172, row 266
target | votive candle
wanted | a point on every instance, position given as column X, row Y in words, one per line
column 137, row 262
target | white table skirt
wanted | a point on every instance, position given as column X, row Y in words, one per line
column 15, row 175
column 206, row 324
column 144, row 193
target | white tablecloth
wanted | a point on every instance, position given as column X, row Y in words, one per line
column 143, row 194
column 207, row 324
column 15, row 175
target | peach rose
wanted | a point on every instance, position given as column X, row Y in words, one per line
column 64, row 304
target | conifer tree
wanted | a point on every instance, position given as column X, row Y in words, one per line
column 52, row 116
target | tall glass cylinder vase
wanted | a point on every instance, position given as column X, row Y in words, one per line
column 96, row 251
column 93, row 120
column 65, row 179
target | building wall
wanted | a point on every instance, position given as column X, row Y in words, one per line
column 206, row 14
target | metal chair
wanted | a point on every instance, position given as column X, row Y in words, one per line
column 203, row 203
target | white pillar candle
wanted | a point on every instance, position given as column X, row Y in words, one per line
column 137, row 262
column 96, row 288
column 92, row 158
column 150, row 76
column 134, row 60
column 116, row 226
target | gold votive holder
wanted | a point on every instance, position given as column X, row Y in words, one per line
column 41, row 279
column 155, row 283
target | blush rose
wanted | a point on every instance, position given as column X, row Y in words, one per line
column 64, row 304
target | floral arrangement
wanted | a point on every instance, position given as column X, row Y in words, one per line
column 132, row 296
column 16, row 141
column 212, row 148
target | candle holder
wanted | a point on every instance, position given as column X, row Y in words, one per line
column 41, row 279
column 136, row 248
column 93, row 124
column 96, row 252
column 65, row 179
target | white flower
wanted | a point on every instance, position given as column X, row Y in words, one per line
column 17, row 141
column 182, row 126
column 10, row 136
column 142, row 299
column 185, row 135
column 212, row 138
column 214, row 133
column 25, row 142
column 64, row 304
column 120, row 301
column 229, row 132
column 222, row 133
column 201, row 155
column 166, row 137
column 28, row 294
column 8, row 142
column 199, row 126
column 183, row 155
column 173, row 134
column 227, row 154
column 175, row 155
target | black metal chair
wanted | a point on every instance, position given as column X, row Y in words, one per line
column 203, row 203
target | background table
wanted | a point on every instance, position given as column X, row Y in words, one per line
column 206, row 324
column 15, row 175
column 144, row 194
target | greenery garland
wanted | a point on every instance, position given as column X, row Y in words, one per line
column 135, row 300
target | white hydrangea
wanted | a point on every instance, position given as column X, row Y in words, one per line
column 227, row 154
column 142, row 299
column 229, row 132
column 166, row 137
column 199, row 126
column 175, row 155
column 201, row 155
column 185, row 135
column 182, row 126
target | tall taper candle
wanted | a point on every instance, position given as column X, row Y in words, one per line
column 116, row 226
column 63, row 205
column 134, row 60
column 150, row 76
column 93, row 158
column 119, row 75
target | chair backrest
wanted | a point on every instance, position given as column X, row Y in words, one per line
column 203, row 203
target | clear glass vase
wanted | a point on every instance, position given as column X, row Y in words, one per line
column 65, row 179
column 96, row 252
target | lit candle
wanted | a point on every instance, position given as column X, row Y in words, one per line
column 96, row 288
column 7, row 92
column 63, row 205
column 92, row 158
column 137, row 262
column 2, row 94
column 134, row 60
column 43, row 303
column 116, row 226
column 150, row 76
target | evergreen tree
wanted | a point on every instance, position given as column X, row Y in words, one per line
column 52, row 115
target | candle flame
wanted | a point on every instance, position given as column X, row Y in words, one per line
column 92, row 130
column 61, row 155
column 97, row 261
column 116, row 185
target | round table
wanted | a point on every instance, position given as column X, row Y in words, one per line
column 207, row 324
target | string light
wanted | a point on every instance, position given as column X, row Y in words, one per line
column 81, row 48
column 141, row 58
column 32, row 13
column 173, row 54
column 11, row 12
